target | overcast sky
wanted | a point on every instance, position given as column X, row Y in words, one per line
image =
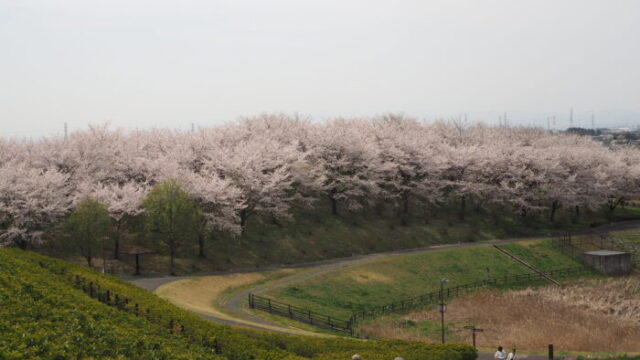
column 173, row 63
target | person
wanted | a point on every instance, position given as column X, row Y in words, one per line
column 356, row 357
column 500, row 354
column 512, row 355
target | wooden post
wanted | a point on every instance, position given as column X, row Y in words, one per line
column 290, row 313
column 269, row 302
column 137, row 264
column 550, row 351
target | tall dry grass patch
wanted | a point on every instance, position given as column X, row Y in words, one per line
column 594, row 315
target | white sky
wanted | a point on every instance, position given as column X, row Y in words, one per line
column 173, row 63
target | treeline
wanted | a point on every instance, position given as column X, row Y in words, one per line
column 260, row 168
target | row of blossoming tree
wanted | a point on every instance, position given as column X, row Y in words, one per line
column 259, row 168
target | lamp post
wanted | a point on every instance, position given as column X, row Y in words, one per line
column 443, row 305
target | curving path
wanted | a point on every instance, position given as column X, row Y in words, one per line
column 234, row 305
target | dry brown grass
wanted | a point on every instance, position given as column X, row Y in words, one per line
column 595, row 315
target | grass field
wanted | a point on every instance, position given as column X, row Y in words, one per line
column 393, row 278
column 315, row 234
column 592, row 315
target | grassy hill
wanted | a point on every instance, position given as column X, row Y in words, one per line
column 50, row 309
column 315, row 234
column 393, row 278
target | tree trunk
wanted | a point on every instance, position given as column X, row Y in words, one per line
column 554, row 207
column 243, row 220
column 613, row 204
column 463, row 206
column 89, row 257
column 405, row 202
column 172, row 259
column 22, row 244
column 116, row 240
column 578, row 210
column 334, row 205
column 201, row 245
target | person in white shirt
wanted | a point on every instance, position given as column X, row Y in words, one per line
column 500, row 354
column 512, row 355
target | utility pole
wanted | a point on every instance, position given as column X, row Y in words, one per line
column 193, row 127
column 571, row 117
column 443, row 305
column 505, row 119
column 65, row 131
column 593, row 122
column 548, row 123
column 474, row 330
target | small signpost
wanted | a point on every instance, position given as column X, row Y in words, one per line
column 474, row 330
column 137, row 251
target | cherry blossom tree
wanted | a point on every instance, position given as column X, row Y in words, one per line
column 31, row 200
column 344, row 157
column 123, row 202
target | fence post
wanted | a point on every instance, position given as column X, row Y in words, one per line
column 269, row 302
column 290, row 313
column 550, row 351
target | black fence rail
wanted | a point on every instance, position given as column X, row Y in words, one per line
column 434, row 297
column 300, row 314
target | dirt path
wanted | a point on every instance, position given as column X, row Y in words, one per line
column 234, row 305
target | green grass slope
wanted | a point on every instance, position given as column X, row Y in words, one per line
column 398, row 277
column 315, row 234
column 50, row 309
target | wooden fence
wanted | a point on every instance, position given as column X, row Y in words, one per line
column 300, row 314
